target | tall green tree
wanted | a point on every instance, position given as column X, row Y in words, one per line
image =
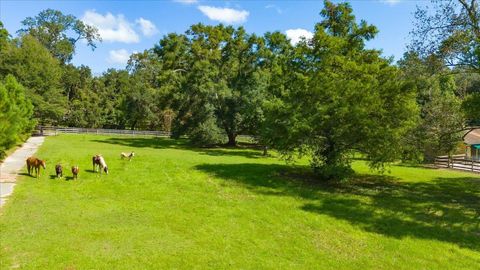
column 111, row 89
column 341, row 98
column 440, row 116
column 83, row 102
column 450, row 31
column 222, row 84
column 15, row 113
column 40, row 73
column 59, row 33
column 471, row 109
column 280, row 72
column 195, row 99
column 149, row 103
column 4, row 37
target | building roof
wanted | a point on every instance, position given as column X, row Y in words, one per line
column 472, row 137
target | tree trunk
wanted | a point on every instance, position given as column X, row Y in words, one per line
column 331, row 155
column 232, row 139
column 265, row 150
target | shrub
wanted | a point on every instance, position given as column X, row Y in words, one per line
column 207, row 134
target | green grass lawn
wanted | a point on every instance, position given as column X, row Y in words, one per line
column 177, row 207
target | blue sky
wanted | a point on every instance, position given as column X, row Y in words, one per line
column 129, row 26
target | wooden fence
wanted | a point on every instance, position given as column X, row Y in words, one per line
column 52, row 130
column 458, row 162
column 48, row 130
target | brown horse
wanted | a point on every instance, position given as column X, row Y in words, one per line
column 99, row 161
column 35, row 163
column 75, row 171
column 59, row 170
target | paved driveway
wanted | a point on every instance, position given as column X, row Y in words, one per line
column 13, row 164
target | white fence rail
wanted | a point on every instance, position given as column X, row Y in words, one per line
column 101, row 131
column 52, row 130
column 458, row 162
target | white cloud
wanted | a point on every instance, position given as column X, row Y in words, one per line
column 118, row 56
column 147, row 27
column 110, row 27
column 295, row 35
column 277, row 9
column 224, row 15
column 186, row 2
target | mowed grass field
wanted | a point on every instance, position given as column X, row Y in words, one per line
column 178, row 207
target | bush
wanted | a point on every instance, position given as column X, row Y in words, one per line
column 207, row 134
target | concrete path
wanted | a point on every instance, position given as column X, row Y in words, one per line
column 13, row 164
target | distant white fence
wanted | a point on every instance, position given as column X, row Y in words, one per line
column 458, row 162
column 52, row 130
column 47, row 130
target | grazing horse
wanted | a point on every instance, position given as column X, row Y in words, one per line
column 99, row 161
column 35, row 163
column 125, row 155
column 59, row 170
column 75, row 171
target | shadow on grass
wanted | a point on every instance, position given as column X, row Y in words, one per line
column 241, row 152
column 148, row 142
column 33, row 175
column 165, row 143
column 446, row 209
column 66, row 178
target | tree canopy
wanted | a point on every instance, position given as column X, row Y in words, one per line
column 341, row 98
column 449, row 34
column 15, row 113
column 59, row 33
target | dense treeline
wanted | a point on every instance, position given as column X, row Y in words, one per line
column 326, row 98
column 15, row 108
column 15, row 113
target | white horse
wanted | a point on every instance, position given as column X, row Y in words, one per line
column 125, row 155
column 99, row 161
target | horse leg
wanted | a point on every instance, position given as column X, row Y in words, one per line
column 28, row 168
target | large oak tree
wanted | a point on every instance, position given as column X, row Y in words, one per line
column 340, row 98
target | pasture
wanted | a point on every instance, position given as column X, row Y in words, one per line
column 174, row 206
